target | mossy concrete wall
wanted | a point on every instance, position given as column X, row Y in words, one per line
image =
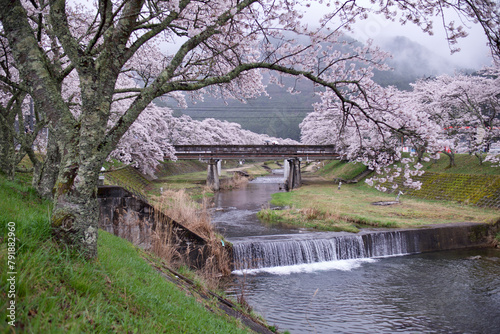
column 480, row 190
column 440, row 237
column 131, row 218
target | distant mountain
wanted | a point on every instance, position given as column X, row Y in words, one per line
column 280, row 114
column 410, row 61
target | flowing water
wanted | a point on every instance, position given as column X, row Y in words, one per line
column 444, row 292
column 307, row 282
column 235, row 211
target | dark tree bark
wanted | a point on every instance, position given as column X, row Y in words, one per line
column 45, row 173
column 7, row 149
column 451, row 156
column 74, row 218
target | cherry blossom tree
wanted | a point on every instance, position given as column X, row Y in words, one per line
column 220, row 46
column 375, row 139
column 216, row 47
column 151, row 138
column 467, row 109
column 21, row 124
column 186, row 131
column 424, row 13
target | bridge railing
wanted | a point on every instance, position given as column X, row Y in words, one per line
column 255, row 151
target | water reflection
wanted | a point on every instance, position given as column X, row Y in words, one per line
column 235, row 211
column 445, row 292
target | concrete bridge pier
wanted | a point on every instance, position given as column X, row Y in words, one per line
column 213, row 173
column 293, row 177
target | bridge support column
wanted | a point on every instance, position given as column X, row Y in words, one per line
column 219, row 167
column 292, row 174
column 213, row 175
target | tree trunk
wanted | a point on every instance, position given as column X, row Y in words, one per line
column 46, row 172
column 75, row 223
column 7, row 152
column 420, row 152
column 76, row 212
column 451, row 156
column 479, row 157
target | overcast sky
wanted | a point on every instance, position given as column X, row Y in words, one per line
column 474, row 51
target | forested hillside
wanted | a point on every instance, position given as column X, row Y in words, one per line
column 280, row 113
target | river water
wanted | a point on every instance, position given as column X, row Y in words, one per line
column 441, row 292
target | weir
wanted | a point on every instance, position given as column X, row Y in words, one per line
column 287, row 250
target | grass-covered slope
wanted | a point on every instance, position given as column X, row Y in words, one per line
column 340, row 169
column 129, row 178
column 469, row 182
column 480, row 190
column 119, row 292
column 319, row 204
column 325, row 207
column 465, row 164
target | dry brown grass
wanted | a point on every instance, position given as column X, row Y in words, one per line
column 237, row 181
column 179, row 206
column 164, row 243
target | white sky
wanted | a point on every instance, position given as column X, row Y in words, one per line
column 474, row 51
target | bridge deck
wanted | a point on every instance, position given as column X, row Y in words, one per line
column 255, row 151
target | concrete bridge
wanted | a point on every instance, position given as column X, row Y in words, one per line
column 291, row 154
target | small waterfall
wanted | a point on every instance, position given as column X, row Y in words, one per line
column 390, row 243
column 285, row 252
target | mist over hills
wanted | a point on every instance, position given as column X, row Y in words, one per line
column 410, row 62
column 280, row 114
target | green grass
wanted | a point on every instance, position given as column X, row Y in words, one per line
column 167, row 168
column 340, row 169
column 117, row 293
column 273, row 164
column 130, row 178
column 466, row 164
column 255, row 168
column 307, row 218
column 324, row 207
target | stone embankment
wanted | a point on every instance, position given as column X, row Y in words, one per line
column 480, row 190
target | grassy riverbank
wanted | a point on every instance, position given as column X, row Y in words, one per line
column 465, row 164
column 119, row 292
column 325, row 207
column 319, row 204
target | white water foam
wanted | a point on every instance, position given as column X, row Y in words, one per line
column 343, row 265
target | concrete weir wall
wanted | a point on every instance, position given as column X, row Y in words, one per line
column 442, row 237
column 133, row 219
column 456, row 236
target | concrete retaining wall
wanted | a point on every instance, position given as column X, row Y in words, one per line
column 135, row 220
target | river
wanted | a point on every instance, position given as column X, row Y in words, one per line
column 440, row 292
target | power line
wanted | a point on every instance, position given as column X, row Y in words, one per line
column 242, row 117
column 304, row 110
